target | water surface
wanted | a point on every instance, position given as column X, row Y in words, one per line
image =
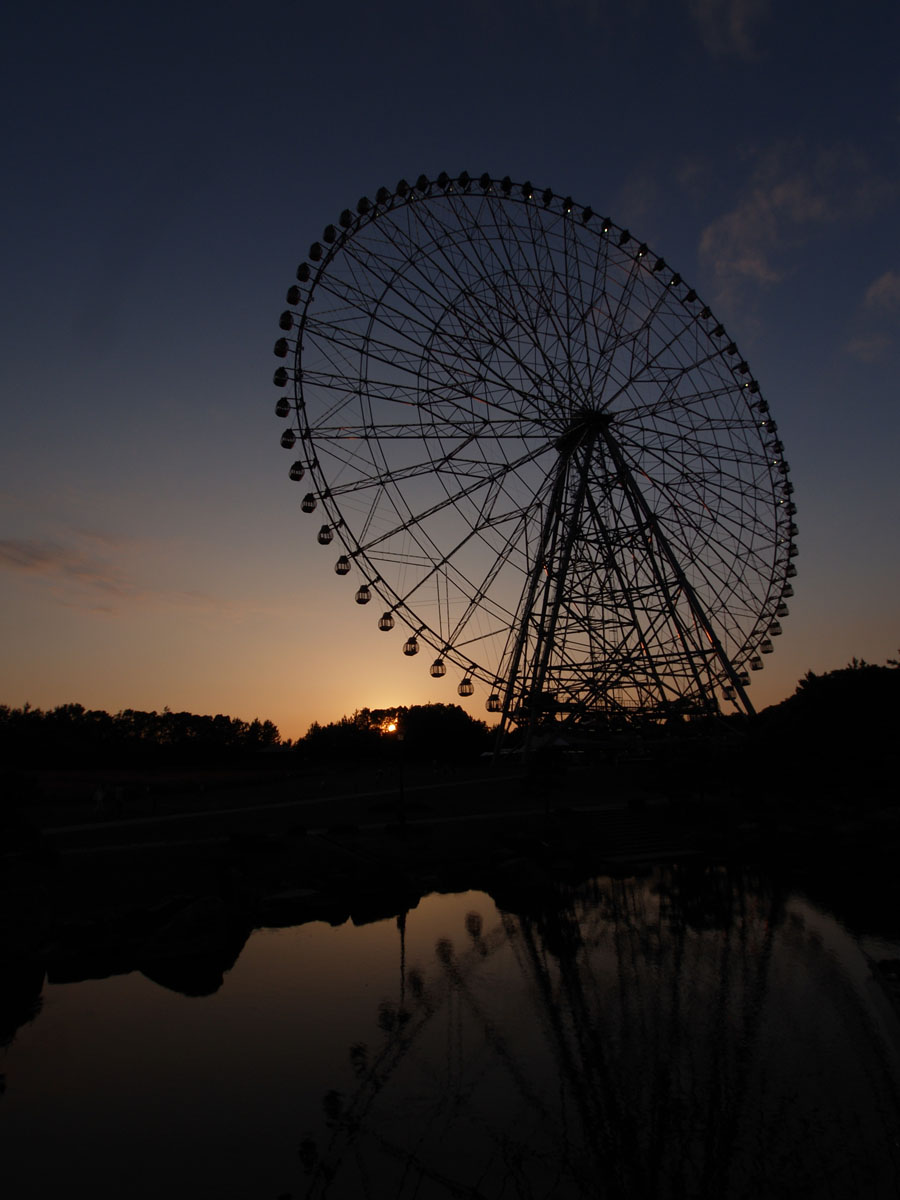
column 695, row 1032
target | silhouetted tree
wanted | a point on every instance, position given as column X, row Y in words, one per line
column 73, row 736
column 443, row 733
column 835, row 737
column 350, row 740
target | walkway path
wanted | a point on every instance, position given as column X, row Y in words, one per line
column 344, row 817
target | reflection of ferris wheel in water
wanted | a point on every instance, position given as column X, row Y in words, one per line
column 535, row 444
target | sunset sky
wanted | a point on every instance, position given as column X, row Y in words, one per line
column 165, row 168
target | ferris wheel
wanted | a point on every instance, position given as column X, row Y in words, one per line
column 534, row 444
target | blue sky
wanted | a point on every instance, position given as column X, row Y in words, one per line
column 168, row 166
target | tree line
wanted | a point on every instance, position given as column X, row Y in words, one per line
column 71, row 735
column 850, row 711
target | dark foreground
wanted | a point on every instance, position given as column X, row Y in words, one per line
column 172, row 883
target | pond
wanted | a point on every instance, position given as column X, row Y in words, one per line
column 695, row 1031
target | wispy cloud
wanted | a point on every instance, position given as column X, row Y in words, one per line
column 790, row 197
column 876, row 320
column 730, row 28
column 55, row 561
column 869, row 348
column 883, row 294
column 83, row 571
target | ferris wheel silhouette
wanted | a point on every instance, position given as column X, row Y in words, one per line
column 533, row 442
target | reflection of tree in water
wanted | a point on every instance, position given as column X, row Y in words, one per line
column 20, row 1000
column 643, row 1038
column 20, row 996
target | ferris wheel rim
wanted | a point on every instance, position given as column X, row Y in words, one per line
column 368, row 213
